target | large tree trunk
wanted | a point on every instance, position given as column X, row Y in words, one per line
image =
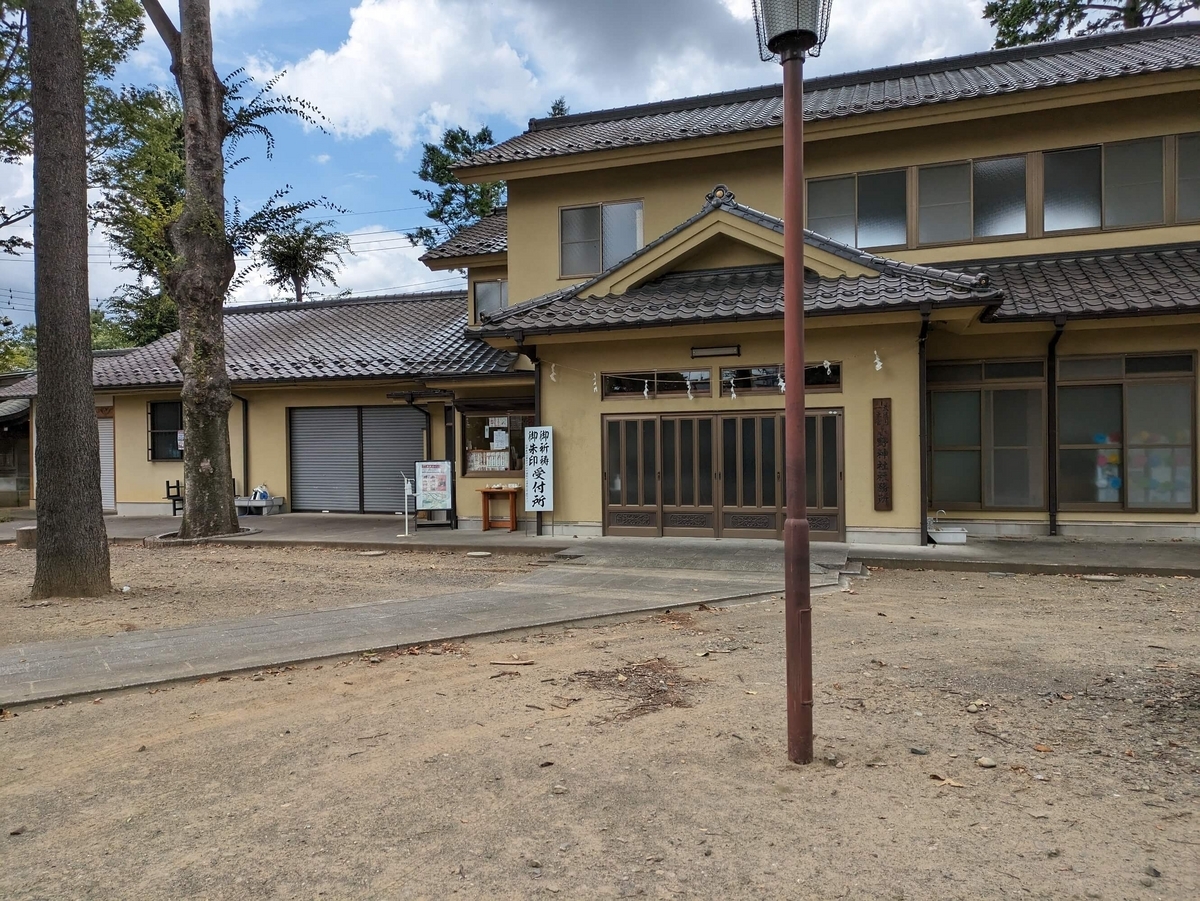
column 72, row 547
column 200, row 278
column 1132, row 15
column 298, row 287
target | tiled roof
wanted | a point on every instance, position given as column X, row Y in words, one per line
column 754, row 292
column 996, row 72
column 488, row 235
column 1078, row 286
column 410, row 336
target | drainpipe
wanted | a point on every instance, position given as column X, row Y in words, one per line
column 245, row 445
column 1060, row 325
column 410, row 399
column 450, row 415
column 923, row 380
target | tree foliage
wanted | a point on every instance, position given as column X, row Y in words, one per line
column 18, row 343
column 1033, row 21
column 111, row 30
column 452, row 204
column 559, row 108
column 302, row 253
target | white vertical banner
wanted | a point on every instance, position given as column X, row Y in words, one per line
column 539, row 469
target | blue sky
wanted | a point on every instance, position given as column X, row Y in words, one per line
column 389, row 74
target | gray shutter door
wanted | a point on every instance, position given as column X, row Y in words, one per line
column 323, row 445
column 108, row 468
column 393, row 442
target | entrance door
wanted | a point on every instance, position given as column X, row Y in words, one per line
column 631, row 501
column 823, row 437
column 688, row 477
column 752, row 503
column 718, row 476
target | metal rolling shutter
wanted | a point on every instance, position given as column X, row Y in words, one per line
column 108, row 469
column 324, row 459
column 393, row 442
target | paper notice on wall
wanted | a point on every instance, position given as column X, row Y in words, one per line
column 498, row 422
column 539, row 469
column 500, row 439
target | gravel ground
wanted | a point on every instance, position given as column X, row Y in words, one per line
column 178, row 586
column 647, row 759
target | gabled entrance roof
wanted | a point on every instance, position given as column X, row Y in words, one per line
column 648, row 288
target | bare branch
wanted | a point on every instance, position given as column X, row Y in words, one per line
column 166, row 30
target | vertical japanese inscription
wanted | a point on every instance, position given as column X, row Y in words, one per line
column 882, row 457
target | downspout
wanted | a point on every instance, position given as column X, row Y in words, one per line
column 450, row 417
column 1060, row 325
column 923, row 389
column 245, row 444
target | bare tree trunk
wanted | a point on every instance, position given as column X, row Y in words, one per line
column 200, row 278
column 1133, row 17
column 72, row 547
column 299, row 287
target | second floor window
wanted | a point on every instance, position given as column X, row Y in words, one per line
column 861, row 210
column 595, row 238
column 1114, row 186
column 1188, row 195
column 490, row 297
column 981, row 199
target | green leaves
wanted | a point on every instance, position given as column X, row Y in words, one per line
column 303, row 253
column 451, row 203
column 1033, row 21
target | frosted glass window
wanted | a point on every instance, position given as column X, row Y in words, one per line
column 1189, row 177
column 955, row 477
column 1072, row 197
column 831, row 208
column 945, row 203
column 622, row 231
column 1133, row 183
column 883, row 209
column 490, row 297
column 1090, row 459
column 581, row 241
column 1000, row 197
column 1090, row 415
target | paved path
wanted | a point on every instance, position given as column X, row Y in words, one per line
column 555, row 595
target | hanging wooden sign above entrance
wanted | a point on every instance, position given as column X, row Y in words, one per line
column 882, row 430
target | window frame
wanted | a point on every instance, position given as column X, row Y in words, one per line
column 655, row 393
column 467, row 472
column 1177, row 180
column 151, row 431
column 1125, row 379
column 503, row 282
column 981, row 386
column 723, row 391
column 1167, row 217
column 600, row 205
column 974, row 239
column 908, row 202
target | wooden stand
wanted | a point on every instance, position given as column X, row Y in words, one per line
column 511, row 494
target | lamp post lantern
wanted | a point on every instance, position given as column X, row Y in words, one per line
column 789, row 30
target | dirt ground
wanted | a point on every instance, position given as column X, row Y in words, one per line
column 177, row 586
column 647, row 759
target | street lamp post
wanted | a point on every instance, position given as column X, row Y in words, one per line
column 788, row 30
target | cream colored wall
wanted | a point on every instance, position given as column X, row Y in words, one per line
column 143, row 481
column 673, row 191
column 140, row 481
column 723, row 253
column 575, row 411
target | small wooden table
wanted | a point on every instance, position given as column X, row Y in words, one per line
column 511, row 494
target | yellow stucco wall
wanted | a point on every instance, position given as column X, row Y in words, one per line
column 140, row 481
column 674, row 190
column 571, row 406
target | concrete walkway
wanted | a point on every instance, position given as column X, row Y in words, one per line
column 586, row 585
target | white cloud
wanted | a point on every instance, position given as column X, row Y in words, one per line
column 233, row 9
column 409, row 68
column 322, row 158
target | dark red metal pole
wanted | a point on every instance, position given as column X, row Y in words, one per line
column 797, row 591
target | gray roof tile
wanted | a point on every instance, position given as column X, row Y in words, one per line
column 408, row 336
column 1087, row 285
column 1118, row 54
column 488, row 235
